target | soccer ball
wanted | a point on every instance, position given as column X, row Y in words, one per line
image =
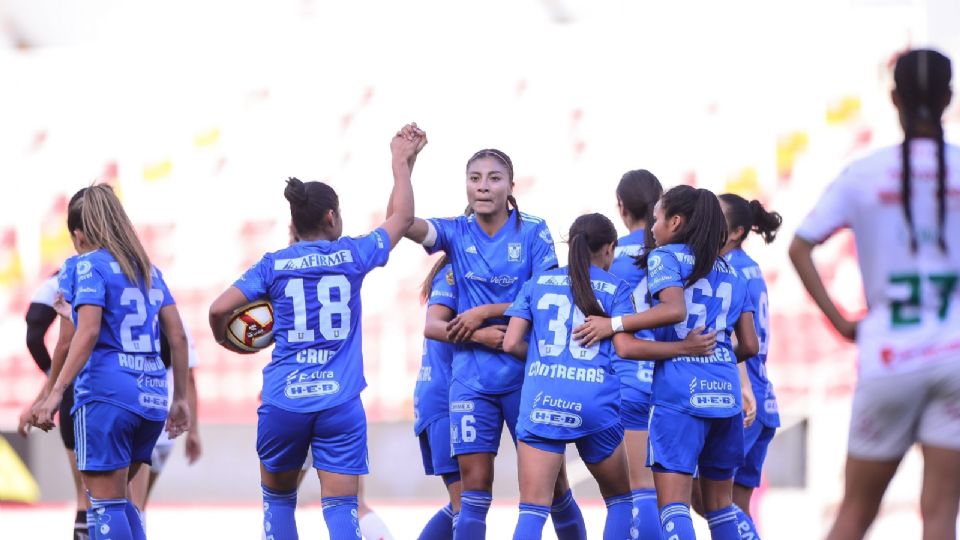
column 250, row 328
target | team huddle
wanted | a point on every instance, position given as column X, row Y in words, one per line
column 647, row 352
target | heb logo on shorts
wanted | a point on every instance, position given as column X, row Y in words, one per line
column 311, row 389
column 153, row 401
column 461, row 406
column 555, row 418
column 713, row 401
column 770, row 406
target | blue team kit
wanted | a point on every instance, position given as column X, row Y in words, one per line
column 696, row 400
column 121, row 394
column 569, row 392
column 317, row 362
column 484, row 392
column 636, row 377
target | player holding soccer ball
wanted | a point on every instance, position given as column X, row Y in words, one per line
column 311, row 387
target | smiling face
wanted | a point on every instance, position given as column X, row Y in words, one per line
column 488, row 186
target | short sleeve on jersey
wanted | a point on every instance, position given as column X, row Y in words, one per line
column 544, row 252
column 161, row 285
column 91, row 287
column 521, row 306
column 65, row 279
column 748, row 303
column 254, row 282
column 831, row 212
column 47, row 293
column 446, row 231
column 663, row 271
column 373, row 249
column 443, row 291
column 622, row 301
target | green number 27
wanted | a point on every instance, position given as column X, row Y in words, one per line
column 907, row 312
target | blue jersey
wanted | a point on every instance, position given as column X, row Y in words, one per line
column 491, row 270
column 706, row 386
column 569, row 391
column 314, row 287
column 66, row 278
column 431, row 395
column 635, row 377
column 124, row 368
column 767, row 411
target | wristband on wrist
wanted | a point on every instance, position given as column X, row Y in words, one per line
column 617, row 324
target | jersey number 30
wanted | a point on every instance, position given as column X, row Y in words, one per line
column 558, row 327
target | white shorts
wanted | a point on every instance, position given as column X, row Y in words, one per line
column 161, row 451
column 890, row 413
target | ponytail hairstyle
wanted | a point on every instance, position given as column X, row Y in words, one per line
column 752, row 216
column 922, row 79
column 97, row 212
column 638, row 192
column 588, row 234
column 505, row 160
column 704, row 228
column 426, row 286
column 309, row 204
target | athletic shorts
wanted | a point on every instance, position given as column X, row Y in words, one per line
column 337, row 438
column 66, row 420
column 756, row 440
column 683, row 443
column 161, row 451
column 476, row 419
column 593, row 448
column 435, row 448
column 635, row 415
column 109, row 437
column 893, row 412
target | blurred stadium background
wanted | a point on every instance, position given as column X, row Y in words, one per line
column 196, row 111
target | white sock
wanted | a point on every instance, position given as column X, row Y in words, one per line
column 373, row 528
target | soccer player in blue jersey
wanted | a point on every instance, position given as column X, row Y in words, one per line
column 571, row 394
column 119, row 303
column 743, row 217
column 312, row 385
column 637, row 194
column 493, row 252
column 431, row 396
column 696, row 423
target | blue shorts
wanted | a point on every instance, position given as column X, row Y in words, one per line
column 687, row 444
column 593, row 448
column 337, row 437
column 109, row 437
column 435, row 448
column 635, row 415
column 756, row 439
column 476, row 419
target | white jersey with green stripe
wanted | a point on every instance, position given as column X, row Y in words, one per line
column 912, row 295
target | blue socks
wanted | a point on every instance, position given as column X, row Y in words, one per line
column 567, row 519
column 723, row 524
column 530, row 523
column 91, row 524
column 278, row 510
column 110, row 517
column 619, row 516
column 646, row 515
column 748, row 531
column 440, row 526
column 676, row 523
column 137, row 524
column 341, row 516
column 473, row 515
